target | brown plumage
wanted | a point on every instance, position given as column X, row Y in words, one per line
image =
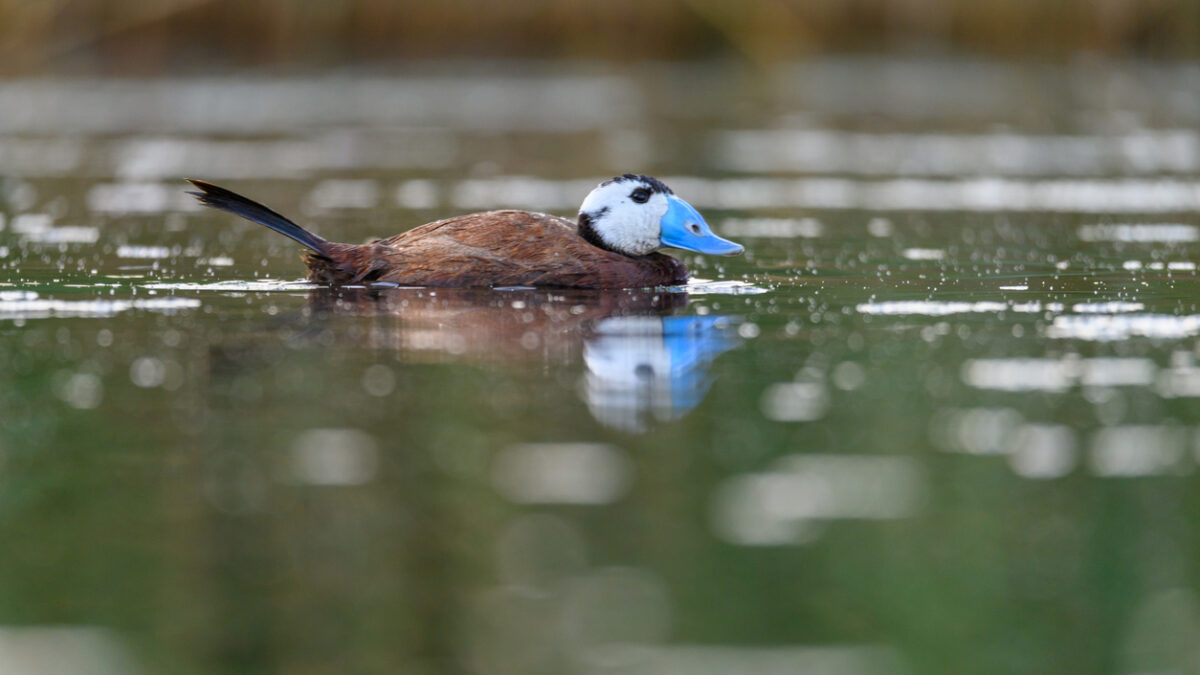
column 494, row 248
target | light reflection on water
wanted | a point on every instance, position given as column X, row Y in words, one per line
column 791, row 503
column 824, row 151
column 1093, row 196
column 21, row 305
column 261, row 106
column 64, row 650
column 940, row 412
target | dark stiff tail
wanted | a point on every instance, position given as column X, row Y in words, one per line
column 226, row 200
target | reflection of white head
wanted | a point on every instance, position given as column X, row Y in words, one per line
column 644, row 369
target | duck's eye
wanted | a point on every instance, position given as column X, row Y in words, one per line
column 695, row 228
column 640, row 195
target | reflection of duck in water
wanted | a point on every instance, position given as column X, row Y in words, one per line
column 643, row 369
column 642, row 363
column 622, row 224
column 484, row 325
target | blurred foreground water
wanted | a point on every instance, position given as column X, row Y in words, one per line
column 941, row 418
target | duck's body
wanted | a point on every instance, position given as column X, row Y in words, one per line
column 494, row 248
column 611, row 246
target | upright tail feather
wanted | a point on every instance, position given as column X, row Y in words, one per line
column 226, row 200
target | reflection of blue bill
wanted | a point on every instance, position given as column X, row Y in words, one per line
column 644, row 368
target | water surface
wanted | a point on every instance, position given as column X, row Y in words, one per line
column 940, row 418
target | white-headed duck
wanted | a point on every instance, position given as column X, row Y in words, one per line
column 622, row 224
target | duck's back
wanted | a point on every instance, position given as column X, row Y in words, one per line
column 494, row 248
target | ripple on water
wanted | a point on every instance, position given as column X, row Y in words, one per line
column 709, row 287
column 29, row 305
column 143, row 252
column 1159, row 265
column 1110, row 327
column 1115, row 307
column 1142, row 151
column 235, row 286
column 693, row 287
column 944, row 308
column 923, row 253
column 1139, row 232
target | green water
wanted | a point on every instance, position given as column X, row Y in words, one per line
column 941, row 418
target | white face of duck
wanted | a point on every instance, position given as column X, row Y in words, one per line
column 636, row 215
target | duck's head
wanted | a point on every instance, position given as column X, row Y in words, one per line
column 636, row 215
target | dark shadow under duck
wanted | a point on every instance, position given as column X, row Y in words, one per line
column 622, row 224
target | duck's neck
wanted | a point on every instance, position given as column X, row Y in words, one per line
column 587, row 229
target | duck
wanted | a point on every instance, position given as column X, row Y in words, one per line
column 613, row 244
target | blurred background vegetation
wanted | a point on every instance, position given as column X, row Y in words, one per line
column 135, row 37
